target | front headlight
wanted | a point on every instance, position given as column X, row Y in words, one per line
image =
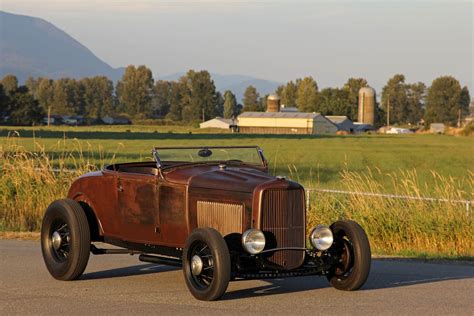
column 321, row 237
column 253, row 241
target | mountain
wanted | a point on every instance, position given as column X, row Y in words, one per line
column 235, row 83
column 31, row 46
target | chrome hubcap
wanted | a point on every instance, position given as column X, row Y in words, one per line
column 196, row 265
column 57, row 240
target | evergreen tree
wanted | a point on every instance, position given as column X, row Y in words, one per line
column 251, row 100
column 25, row 110
column 4, row 104
column 230, row 105
column 219, row 111
column 307, row 98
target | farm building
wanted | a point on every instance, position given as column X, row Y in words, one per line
column 292, row 122
column 437, row 128
column 117, row 120
column 343, row 123
column 217, row 122
column 285, row 123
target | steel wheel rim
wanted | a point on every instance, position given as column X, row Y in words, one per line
column 204, row 279
column 344, row 267
column 60, row 249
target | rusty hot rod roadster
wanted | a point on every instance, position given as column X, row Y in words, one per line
column 214, row 211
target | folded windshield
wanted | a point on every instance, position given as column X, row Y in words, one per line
column 238, row 155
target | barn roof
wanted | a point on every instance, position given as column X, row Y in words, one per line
column 337, row 118
column 295, row 115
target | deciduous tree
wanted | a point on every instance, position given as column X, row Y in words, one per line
column 443, row 101
column 10, row 84
column 307, row 95
column 135, row 90
column 352, row 87
column 394, row 93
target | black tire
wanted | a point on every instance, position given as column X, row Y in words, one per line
column 352, row 244
column 67, row 259
column 210, row 247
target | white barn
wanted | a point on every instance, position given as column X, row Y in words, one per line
column 217, row 122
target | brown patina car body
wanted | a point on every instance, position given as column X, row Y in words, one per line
column 153, row 208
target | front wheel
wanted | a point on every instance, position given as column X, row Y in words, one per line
column 65, row 239
column 206, row 264
column 353, row 249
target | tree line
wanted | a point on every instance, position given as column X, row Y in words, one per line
column 194, row 97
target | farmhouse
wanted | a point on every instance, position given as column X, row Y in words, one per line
column 217, row 122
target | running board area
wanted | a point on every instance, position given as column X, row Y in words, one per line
column 161, row 260
column 100, row 251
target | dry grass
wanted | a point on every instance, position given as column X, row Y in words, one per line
column 395, row 226
column 402, row 226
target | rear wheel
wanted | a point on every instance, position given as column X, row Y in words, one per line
column 353, row 248
column 65, row 240
column 206, row 264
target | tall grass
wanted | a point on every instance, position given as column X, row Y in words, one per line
column 396, row 225
column 30, row 181
column 28, row 184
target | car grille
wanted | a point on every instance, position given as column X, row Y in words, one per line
column 283, row 218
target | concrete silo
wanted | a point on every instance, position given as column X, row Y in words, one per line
column 273, row 103
column 366, row 113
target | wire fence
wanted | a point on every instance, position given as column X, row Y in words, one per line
column 309, row 191
column 467, row 203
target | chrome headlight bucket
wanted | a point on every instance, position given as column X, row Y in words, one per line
column 253, row 241
column 321, row 237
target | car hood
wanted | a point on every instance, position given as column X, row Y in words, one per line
column 212, row 177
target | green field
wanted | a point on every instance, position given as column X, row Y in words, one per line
column 313, row 160
column 417, row 165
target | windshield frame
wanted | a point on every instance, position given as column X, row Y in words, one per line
column 159, row 162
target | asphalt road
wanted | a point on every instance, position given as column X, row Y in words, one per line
column 120, row 284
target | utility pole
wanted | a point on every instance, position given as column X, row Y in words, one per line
column 203, row 117
column 49, row 115
column 459, row 117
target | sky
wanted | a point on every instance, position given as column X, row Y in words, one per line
column 275, row 40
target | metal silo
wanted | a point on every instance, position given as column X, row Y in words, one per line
column 273, row 103
column 366, row 106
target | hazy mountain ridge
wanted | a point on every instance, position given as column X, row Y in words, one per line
column 31, row 46
column 34, row 47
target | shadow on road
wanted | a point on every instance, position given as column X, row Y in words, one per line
column 139, row 269
column 384, row 274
